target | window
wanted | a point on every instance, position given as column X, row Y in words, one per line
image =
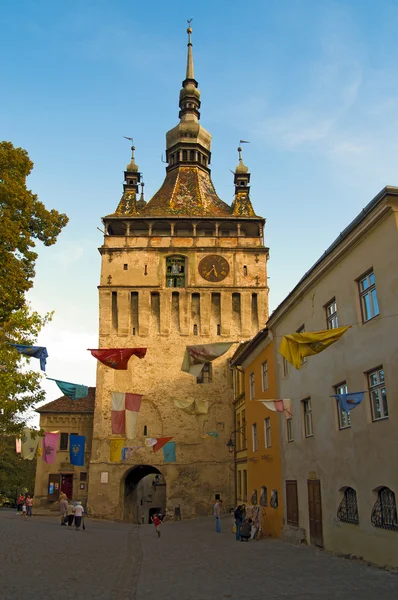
column 252, row 386
column 254, row 436
column 348, row 509
column 307, row 409
column 344, row 417
column 83, row 476
column 239, row 485
column 274, row 499
column 302, row 330
column 145, row 430
column 384, row 512
column 285, row 367
column 244, row 436
column 378, row 394
column 369, row 303
column 289, row 430
column 205, row 375
column 264, row 375
column 244, row 485
column 267, row 432
column 125, row 267
column 331, row 315
column 63, row 442
column 238, row 433
column 292, row 515
column 175, row 271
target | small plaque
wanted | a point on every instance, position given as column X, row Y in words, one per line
column 104, row 477
column 312, row 475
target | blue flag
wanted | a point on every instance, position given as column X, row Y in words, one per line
column 74, row 391
column 35, row 351
column 76, row 449
column 169, row 452
column 349, row 401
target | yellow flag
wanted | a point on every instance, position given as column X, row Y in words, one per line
column 296, row 346
column 117, row 445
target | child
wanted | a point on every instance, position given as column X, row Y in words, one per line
column 157, row 522
column 24, row 510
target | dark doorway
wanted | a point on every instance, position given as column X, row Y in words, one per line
column 315, row 512
column 67, row 485
column 144, row 494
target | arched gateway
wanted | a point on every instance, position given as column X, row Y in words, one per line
column 144, row 493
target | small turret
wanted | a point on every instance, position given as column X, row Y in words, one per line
column 242, row 206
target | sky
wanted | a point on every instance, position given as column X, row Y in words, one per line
column 311, row 84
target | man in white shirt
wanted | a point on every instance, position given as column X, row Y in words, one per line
column 217, row 515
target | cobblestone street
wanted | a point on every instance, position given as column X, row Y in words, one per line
column 39, row 558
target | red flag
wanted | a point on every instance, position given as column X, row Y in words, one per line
column 160, row 443
column 117, row 358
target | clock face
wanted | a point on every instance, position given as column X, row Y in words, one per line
column 214, row 267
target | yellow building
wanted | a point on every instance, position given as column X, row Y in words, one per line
column 238, row 440
column 183, row 269
column 255, row 364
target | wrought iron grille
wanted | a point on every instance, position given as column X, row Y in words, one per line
column 384, row 513
column 348, row 509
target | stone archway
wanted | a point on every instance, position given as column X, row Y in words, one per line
column 144, row 493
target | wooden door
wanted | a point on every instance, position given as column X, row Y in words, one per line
column 67, row 485
column 53, row 487
column 292, row 515
column 315, row 512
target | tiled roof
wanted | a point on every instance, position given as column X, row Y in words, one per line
column 186, row 191
column 66, row 405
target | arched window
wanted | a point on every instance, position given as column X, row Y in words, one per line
column 274, row 499
column 348, row 508
column 175, row 271
column 264, row 496
column 384, row 512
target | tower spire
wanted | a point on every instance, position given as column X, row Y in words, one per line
column 190, row 71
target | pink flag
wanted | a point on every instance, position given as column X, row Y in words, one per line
column 18, row 445
column 283, row 406
column 125, row 408
column 50, row 445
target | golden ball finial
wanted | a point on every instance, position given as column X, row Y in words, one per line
column 189, row 30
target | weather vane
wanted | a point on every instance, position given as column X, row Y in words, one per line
column 128, row 138
column 189, row 21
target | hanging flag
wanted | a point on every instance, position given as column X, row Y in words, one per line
column 50, row 445
column 296, row 346
column 127, row 453
column 117, row 358
column 196, row 356
column 29, row 444
column 150, row 441
column 282, row 406
column 193, row 407
column 18, row 444
column 76, row 449
column 349, row 401
column 160, row 442
column 169, row 452
column 125, row 408
column 213, row 434
column 34, row 351
column 116, row 448
column 74, row 391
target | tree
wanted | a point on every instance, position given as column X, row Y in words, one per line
column 16, row 474
column 23, row 221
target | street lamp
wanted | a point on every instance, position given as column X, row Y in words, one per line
column 231, row 443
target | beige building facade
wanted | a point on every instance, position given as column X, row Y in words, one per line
column 183, row 269
column 339, row 472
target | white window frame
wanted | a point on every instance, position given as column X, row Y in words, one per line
column 252, row 386
column 376, row 394
column 332, row 320
column 308, row 424
column 344, row 419
column 285, row 366
column 254, row 437
column 264, row 375
column 267, row 432
column 368, row 296
column 289, row 430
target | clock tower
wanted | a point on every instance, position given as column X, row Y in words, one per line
column 183, row 269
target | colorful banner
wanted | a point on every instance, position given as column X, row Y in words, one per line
column 116, row 449
column 169, row 452
column 349, row 401
column 117, row 358
column 160, row 442
column 196, row 356
column 125, row 407
column 29, row 444
column 39, row 352
column 282, row 406
column 50, row 445
column 76, row 449
column 193, row 407
column 296, row 346
column 150, row 442
column 74, row 391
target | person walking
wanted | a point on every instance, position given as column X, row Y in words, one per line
column 157, row 522
column 78, row 511
column 71, row 516
column 20, row 502
column 217, row 515
column 238, row 516
column 63, row 508
column 29, row 504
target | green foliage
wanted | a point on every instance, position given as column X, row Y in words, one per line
column 15, row 473
column 23, row 219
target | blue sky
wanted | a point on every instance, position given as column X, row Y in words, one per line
column 311, row 84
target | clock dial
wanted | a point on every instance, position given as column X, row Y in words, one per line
column 214, row 267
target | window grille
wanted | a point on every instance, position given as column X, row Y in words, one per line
column 308, row 427
column 348, row 509
column 267, row 432
column 63, row 443
column 264, row 373
column 289, row 428
column 175, row 271
column 254, row 436
column 344, row 417
column 384, row 512
column 378, row 394
column 331, row 315
column 252, row 386
column 369, row 303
